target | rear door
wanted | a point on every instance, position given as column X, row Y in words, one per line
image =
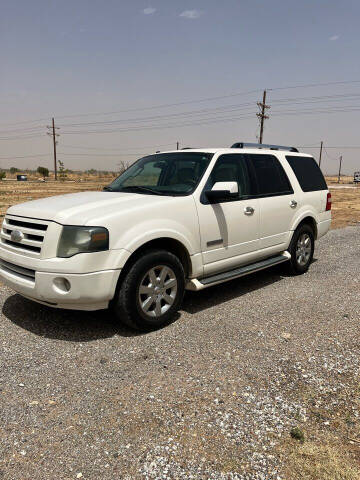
column 277, row 201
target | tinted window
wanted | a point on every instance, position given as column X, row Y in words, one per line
column 270, row 176
column 231, row 168
column 307, row 172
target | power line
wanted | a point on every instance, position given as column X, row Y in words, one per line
column 212, row 119
column 101, row 154
column 188, row 102
column 166, row 116
column 327, row 154
column 156, row 127
column 115, row 149
column 307, row 85
column 30, row 130
column 296, row 100
column 154, row 107
column 225, row 108
column 205, row 120
column 18, row 137
column 25, row 156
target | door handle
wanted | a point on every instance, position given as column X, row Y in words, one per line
column 293, row 203
column 249, row 210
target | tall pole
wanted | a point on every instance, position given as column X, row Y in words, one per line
column 177, row 145
column 321, row 148
column 54, row 142
column 52, row 133
column 261, row 115
column 340, row 162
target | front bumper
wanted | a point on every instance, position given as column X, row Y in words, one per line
column 85, row 291
column 88, row 291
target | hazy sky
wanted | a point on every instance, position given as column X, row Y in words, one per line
column 69, row 58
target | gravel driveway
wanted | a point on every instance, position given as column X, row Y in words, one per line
column 212, row 396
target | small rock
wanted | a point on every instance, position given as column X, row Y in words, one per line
column 79, row 475
column 286, row 336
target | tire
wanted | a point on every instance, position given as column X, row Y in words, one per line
column 142, row 300
column 301, row 250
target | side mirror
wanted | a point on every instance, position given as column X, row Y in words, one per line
column 222, row 191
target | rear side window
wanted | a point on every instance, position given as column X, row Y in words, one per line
column 308, row 173
column 270, row 176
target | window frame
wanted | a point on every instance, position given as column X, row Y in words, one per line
column 242, row 157
column 252, row 169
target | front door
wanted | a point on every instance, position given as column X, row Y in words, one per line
column 229, row 229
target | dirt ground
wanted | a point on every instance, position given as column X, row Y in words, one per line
column 258, row 379
column 345, row 196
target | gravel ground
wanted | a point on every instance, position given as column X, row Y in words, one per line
column 212, row 396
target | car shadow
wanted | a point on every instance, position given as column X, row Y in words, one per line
column 67, row 325
column 195, row 302
column 80, row 326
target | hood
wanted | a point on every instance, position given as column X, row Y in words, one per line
column 85, row 207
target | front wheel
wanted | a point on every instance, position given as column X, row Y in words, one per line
column 151, row 292
column 301, row 249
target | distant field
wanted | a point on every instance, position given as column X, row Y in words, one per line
column 346, row 201
column 13, row 192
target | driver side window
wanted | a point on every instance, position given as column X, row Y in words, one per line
column 231, row 168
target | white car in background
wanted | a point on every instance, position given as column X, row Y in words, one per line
column 187, row 219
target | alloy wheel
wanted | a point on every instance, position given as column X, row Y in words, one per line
column 157, row 291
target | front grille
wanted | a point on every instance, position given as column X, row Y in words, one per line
column 23, row 246
column 32, row 233
column 24, row 273
column 20, row 223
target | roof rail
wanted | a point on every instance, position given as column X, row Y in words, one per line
column 263, row 145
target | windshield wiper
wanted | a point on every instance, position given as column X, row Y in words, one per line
column 108, row 189
column 138, row 188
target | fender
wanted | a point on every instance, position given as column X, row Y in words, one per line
column 143, row 233
column 139, row 234
column 300, row 217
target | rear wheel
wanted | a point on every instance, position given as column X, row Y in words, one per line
column 301, row 249
column 152, row 291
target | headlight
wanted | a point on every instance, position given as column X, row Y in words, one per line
column 75, row 240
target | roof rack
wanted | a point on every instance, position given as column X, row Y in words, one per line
column 263, row 145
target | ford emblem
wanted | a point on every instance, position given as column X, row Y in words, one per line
column 17, row 236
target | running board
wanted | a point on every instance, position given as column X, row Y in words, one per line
column 195, row 284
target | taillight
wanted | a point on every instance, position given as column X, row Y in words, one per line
column 328, row 202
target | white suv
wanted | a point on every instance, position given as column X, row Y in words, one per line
column 186, row 219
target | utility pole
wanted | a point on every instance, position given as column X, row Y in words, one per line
column 177, row 145
column 261, row 115
column 340, row 162
column 321, row 148
column 52, row 133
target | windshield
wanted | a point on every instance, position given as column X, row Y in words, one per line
column 163, row 174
